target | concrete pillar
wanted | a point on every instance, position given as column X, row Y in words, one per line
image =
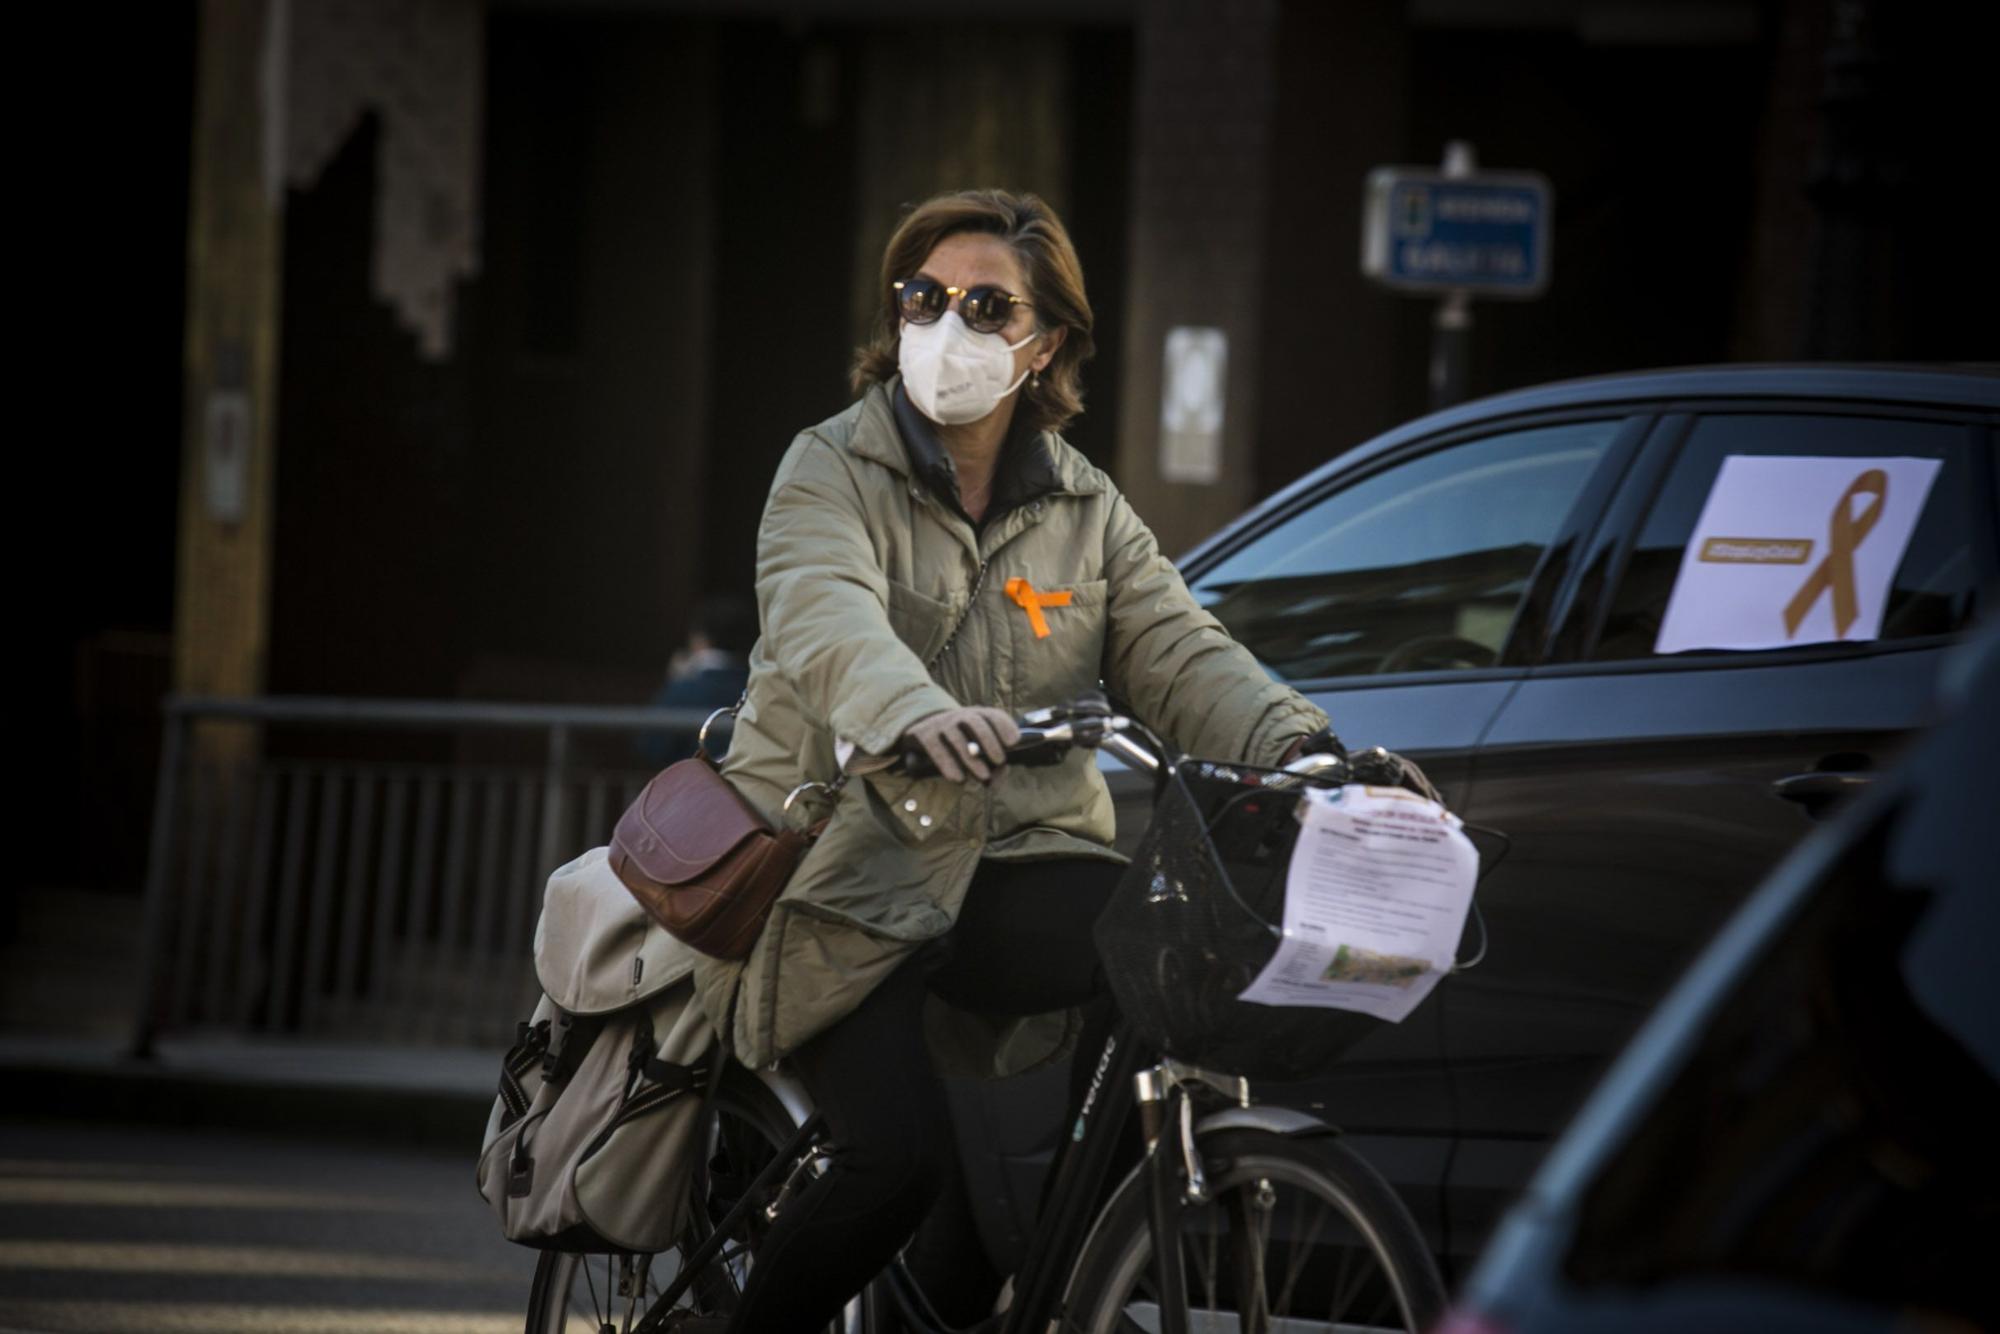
column 1769, row 322
column 235, row 235
column 1202, row 109
column 1857, row 307
column 1333, row 369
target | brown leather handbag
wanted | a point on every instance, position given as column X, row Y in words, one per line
column 701, row 859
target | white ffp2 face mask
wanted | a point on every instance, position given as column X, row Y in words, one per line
column 954, row 375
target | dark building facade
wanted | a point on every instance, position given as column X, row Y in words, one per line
column 514, row 307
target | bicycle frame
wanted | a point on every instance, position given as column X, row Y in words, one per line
column 785, row 1161
column 1083, row 1164
column 1126, row 1074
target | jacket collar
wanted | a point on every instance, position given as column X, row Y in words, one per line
column 1025, row 471
column 1033, row 464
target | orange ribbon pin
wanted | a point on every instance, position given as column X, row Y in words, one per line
column 1835, row 572
column 1032, row 600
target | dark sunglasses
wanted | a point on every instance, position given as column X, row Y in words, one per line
column 985, row 308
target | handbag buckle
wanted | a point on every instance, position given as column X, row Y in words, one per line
column 828, row 788
column 701, row 737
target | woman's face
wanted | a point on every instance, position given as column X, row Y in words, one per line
column 966, row 260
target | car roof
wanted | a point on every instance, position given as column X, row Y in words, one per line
column 1975, row 386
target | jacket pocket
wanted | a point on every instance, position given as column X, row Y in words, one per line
column 1069, row 660
column 919, row 620
column 861, row 876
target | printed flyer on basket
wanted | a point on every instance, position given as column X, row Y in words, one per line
column 1375, row 899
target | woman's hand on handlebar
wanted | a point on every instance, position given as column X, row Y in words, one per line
column 1375, row 766
column 965, row 742
column 1385, row 768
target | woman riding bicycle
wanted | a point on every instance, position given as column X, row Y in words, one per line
column 930, row 561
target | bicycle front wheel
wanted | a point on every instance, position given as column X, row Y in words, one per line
column 1299, row 1236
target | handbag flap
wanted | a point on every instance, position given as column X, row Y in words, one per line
column 686, row 820
column 596, row 949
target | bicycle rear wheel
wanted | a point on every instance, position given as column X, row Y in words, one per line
column 585, row 1294
column 1300, row 1236
column 611, row 1294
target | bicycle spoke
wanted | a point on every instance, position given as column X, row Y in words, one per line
column 1210, row 1269
column 1301, row 1252
column 1262, row 1206
column 1252, row 1311
column 1344, row 1291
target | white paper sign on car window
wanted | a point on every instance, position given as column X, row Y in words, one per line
column 1792, row 550
column 1375, row 900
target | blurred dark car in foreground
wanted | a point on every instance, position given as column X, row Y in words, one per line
column 1483, row 589
column 1806, row 1134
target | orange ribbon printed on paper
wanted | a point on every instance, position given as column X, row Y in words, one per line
column 1835, row 572
column 1032, row 601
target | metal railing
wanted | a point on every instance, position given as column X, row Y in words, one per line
column 363, row 899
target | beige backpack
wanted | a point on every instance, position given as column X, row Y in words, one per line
column 592, row 1142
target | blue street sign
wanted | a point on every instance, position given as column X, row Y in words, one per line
column 1487, row 233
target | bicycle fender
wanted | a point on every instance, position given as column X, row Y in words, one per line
column 1276, row 1120
column 790, row 1093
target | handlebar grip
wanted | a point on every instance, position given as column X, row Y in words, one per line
column 1033, row 749
column 915, row 762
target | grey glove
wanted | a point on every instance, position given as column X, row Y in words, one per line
column 962, row 741
column 1385, row 768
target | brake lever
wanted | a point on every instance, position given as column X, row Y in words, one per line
column 1039, row 749
column 1087, row 707
column 915, row 762
column 1315, row 765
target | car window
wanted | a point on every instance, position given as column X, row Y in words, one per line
column 1933, row 587
column 1418, row 567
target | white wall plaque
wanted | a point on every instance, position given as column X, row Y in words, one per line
column 1794, row 551
column 226, row 454
column 1197, row 368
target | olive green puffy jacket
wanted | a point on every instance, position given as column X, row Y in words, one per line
column 862, row 574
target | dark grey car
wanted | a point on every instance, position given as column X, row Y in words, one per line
column 1482, row 589
column 1801, row 1136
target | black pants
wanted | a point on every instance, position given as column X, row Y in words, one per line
column 1021, row 946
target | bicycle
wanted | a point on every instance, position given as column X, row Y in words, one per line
column 1238, row 1215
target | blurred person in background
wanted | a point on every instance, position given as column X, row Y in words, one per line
column 707, row 672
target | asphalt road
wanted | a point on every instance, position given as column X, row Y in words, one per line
column 155, row 1231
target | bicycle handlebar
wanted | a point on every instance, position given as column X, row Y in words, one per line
column 1049, row 734
column 1037, row 746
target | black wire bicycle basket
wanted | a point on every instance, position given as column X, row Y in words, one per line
column 1197, row 917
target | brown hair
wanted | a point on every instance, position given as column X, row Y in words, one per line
column 1055, row 289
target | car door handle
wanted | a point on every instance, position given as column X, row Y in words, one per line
column 1822, row 785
